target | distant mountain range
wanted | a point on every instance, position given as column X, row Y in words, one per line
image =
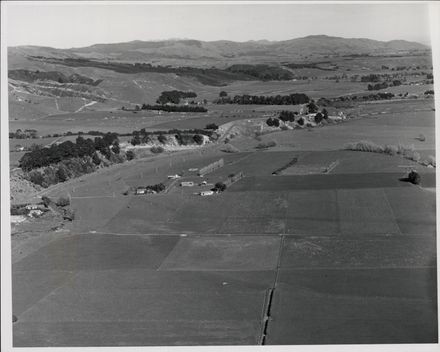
column 218, row 52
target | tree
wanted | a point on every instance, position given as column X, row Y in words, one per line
column 61, row 173
column 211, row 126
column 129, row 154
column 116, row 149
column 162, row 138
column 223, row 94
column 46, row 201
column 312, row 107
column 95, row 159
column 324, row 113
column 63, row 201
column 414, row 177
column 136, row 140
column 219, row 187
column 318, row 117
column 198, row 139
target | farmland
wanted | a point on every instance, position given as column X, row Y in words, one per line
column 315, row 244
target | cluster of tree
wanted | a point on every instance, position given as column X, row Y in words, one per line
column 429, row 92
column 211, row 126
column 160, row 187
column 292, row 99
column 290, row 116
column 315, row 65
column 353, row 97
column 384, row 85
column 262, row 72
column 273, row 122
column 372, row 77
column 174, row 108
column 26, row 134
column 32, row 76
column 287, row 116
column 219, row 187
column 184, row 137
column 174, row 96
column 62, row 171
column 56, row 153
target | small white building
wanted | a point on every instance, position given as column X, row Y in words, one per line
column 206, row 193
column 141, row 190
column 187, row 184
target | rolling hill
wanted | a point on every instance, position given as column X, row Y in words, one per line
column 44, row 80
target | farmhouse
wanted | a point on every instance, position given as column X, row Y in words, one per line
column 187, row 184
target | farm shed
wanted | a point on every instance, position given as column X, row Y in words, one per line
column 187, row 184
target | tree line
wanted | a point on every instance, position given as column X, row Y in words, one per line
column 174, row 108
column 291, row 99
column 174, row 96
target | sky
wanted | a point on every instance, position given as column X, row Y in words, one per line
column 72, row 24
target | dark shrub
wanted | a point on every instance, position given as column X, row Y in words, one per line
column 63, row 201
column 162, row 138
column 69, row 214
column 157, row 150
column 95, row 159
column 219, row 187
column 211, row 126
column 414, row 177
column 318, row 117
column 198, row 139
column 62, row 174
column 36, row 177
column 46, row 201
column 312, row 107
column 129, row 154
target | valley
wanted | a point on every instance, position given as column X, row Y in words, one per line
column 304, row 228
